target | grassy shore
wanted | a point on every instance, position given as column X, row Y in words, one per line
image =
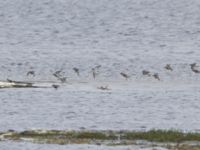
column 170, row 139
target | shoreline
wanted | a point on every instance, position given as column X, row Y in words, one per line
column 170, row 139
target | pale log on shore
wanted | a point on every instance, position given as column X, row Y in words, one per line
column 11, row 83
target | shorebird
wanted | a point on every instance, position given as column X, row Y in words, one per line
column 193, row 65
column 59, row 76
column 103, row 88
column 76, row 70
column 57, row 73
column 196, row 71
column 63, row 79
column 55, row 86
column 31, row 73
column 94, row 73
column 193, row 68
column 124, row 75
column 168, row 67
column 156, row 76
column 145, row 72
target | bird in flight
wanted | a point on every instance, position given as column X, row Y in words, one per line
column 145, row 72
column 168, row 67
column 124, row 75
column 194, row 68
column 156, row 76
column 31, row 73
column 76, row 70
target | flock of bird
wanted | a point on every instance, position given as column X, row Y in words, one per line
column 194, row 68
column 59, row 74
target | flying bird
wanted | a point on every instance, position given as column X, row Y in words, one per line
column 124, row 75
column 55, row 86
column 103, row 87
column 94, row 73
column 31, row 73
column 145, row 72
column 59, row 76
column 63, row 79
column 57, row 73
column 193, row 65
column 156, row 76
column 194, row 68
column 168, row 67
column 76, row 70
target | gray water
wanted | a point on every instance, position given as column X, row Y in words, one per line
column 29, row 146
column 120, row 35
column 135, row 109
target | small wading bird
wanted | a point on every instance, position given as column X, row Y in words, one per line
column 63, row 79
column 58, row 75
column 103, row 87
column 124, row 75
column 55, row 86
column 193, row 68
column 76, row 70
column 168, row 67
column 145, row 72
column 95, row 70
column 32, row 73
column 94, row 73
column 156, row 76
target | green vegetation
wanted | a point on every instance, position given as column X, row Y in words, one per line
column 91, row 135
column 170, row 139
column 97, row 135
column 163, row 136
column 152, row 135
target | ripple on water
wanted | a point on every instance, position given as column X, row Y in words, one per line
column 133, row 110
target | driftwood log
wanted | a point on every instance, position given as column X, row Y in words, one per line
column 17, row 84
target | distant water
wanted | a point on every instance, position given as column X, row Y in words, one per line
column 122, row 36
column 134, row 108
column 25, row 146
